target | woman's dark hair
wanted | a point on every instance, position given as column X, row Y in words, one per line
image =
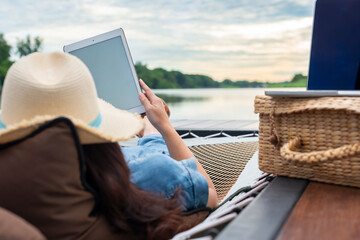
column 145, row 214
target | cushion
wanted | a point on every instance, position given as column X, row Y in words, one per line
column 15, row 228
column 42, row 180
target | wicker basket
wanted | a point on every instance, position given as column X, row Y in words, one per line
column 312, row 138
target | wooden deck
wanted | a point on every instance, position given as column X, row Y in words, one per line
column 216, row 125
column 207, row 127
column 296, row 209
column 204, row 128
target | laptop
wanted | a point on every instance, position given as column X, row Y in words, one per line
column 108, row 58
column 335, row 51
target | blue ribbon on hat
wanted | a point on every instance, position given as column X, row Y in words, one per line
column 2, row 125
column 95, row 124
column 97, row 121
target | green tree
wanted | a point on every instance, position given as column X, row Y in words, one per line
column 298, row 77
column 28, row 45
column 180, row 78
column 144, row 73
column 5, row 62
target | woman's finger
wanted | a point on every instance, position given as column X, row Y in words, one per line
column 144, row 100
column 148, row 91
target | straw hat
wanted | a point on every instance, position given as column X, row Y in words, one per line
column 43, row 86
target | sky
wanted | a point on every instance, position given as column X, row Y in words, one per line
column 263, row 40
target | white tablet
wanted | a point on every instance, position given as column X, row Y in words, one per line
column 108, row 58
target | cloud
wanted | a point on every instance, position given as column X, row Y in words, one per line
column 274, row 30
column 236, row 39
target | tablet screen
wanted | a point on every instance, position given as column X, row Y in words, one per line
column 110, row 68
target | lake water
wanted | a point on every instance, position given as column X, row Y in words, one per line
column 219, row 104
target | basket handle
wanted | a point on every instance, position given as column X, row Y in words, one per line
column 288, row 152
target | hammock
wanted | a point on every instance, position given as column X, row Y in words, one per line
column 231, row 163
column 224, row 162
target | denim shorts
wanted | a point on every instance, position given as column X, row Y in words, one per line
column 152, row 169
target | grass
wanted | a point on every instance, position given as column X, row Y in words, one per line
column 299, row 83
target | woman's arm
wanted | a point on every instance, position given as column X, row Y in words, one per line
column 177, row 148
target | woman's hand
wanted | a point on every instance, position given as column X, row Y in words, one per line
column 154, row 107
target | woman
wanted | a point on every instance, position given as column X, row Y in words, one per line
column 166, row 178
column 149, row 214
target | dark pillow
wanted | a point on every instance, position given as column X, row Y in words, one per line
column 15, row 228
column 42, row 180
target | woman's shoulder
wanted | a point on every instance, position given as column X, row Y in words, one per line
column 161, row 162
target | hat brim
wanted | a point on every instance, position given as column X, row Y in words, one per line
column 116, row 125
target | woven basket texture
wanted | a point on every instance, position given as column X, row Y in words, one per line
column 312, row 138
column 224, row 162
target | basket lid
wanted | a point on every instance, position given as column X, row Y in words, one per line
column 281, row 105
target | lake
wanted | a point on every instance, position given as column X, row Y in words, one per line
column 214, row 103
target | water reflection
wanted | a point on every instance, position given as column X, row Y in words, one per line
column 225, row 104
column 175, row 99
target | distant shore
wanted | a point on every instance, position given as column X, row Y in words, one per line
column 159, row 78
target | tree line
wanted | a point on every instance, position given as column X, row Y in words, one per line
column 157, row 78
column 23, row 48
column 160, row 78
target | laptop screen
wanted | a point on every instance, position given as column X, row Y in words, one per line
column 335, row 50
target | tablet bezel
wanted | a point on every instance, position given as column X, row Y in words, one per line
column 101, row 38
